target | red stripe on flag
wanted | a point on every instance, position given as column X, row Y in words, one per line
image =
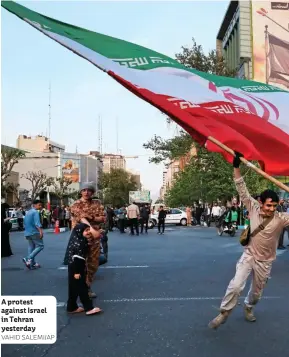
column 235, row 127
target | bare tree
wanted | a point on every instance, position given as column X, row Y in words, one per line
column 14, row 189
column 61, row 188
column 9, row 157
column 39, row 181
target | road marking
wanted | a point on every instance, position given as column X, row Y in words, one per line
column 202, row 298
column 180, row 299
column 114, row 267
column 124, row 266
column 228, row 245
column 61, row 304
column 240, row 248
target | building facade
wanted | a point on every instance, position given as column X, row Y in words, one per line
column 175, row 166
column 253, row 39
column 234, row 39
column 112, row 161
column 135, row 176
column 11, row 194
column 38, row 143
column 76, row 167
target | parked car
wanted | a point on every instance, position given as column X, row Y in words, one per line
column 174, row 216
column 13, row 219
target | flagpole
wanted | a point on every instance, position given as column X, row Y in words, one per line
column 249, row 164
column 282, row 27
column 266, row 53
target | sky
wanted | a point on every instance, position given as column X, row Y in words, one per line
column 80, row 93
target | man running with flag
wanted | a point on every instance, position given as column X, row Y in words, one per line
column 266, row 224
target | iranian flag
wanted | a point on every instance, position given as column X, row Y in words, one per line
column 247, row 116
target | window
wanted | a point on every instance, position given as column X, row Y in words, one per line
column 176, row 211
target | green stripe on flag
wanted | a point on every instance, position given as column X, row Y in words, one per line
column 127, row 53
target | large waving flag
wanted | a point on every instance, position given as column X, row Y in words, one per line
column 247, row 116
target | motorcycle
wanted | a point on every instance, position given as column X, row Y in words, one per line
column 230, row 228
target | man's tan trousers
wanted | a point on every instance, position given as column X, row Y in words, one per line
column 260, row 274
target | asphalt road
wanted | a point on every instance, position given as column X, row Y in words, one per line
column 158, row 294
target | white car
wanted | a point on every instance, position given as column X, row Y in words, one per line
column 174, row 216
column 13, row 219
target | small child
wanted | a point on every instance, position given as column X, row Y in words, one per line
column 76, row 255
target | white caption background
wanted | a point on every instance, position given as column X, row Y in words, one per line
column 28, row 320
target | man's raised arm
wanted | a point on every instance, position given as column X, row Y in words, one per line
column 241, row 187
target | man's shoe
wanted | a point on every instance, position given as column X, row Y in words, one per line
column 281, row 247
column 27, row 262
column 36, row 266
column 219, row 320
column 249, row 316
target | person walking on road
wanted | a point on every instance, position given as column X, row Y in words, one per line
column 282, row 208
column 189, row 216
column 133, row 216
column 34, row 235
column 19, row 215
column 89, row 212
column 144, row 215
column 161, row 220
column 216, row 212
column 121, row 219
column 260, row 252
column 67, row 217
column 199, row 212
column 208, row 215
column 110, row 215
column 6, row 225
column 77, row 252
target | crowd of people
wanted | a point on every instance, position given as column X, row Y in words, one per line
column 90, row 222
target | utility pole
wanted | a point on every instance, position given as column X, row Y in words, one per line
column 266, row 53
column 49, row 112
column 101, row 135
column 116, row 123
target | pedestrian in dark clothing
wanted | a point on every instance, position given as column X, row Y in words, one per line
column 282, row 208
column 199, row 211
column 62, row 216
column 110, row 214
column 144, row 215
column 76, row 254
column 6, row 225
column 161, row 219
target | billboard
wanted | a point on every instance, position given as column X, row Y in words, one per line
column 140, row 196
column 70, row 169
column 270, row 32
